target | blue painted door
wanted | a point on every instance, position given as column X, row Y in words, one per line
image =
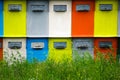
column 1, row 18
column 37, row 49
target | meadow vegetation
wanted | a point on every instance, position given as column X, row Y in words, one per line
column 80, row 68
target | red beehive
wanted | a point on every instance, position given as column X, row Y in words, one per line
column 105, row 46
column 1, row 48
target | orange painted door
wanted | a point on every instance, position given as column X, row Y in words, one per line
column 1, row 48
column 101, row 45
column 83, row 21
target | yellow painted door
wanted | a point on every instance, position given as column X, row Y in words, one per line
column 14, row 21
column 106, row 21
column 60, row 54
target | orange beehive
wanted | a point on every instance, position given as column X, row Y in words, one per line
column 83, row 21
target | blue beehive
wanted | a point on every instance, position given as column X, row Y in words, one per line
column 1, row 18
column 37, row 48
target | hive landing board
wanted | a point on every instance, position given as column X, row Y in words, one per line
column 14, row 18
column 106, row 18
column 60, row 18
column 83, row 18
column 37, row 18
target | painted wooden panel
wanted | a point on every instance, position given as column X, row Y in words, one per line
column 82, row 46
column 36, row 52
column 37, row 21
column 59, row 54
column 1, row 48
column 83, row 21
column 1, row 18
column 118, row 49
column 60, row 22
column 14, row 21
column 110, row 47
column 106, row 22
column 118, row 18
column 12, row 51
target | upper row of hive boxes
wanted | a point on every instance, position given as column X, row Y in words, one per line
column 81, row 18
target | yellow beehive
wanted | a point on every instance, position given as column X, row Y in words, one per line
column 14, row 21
column 60, row 54
column 106, row 21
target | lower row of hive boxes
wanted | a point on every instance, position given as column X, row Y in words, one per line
column 55, row 48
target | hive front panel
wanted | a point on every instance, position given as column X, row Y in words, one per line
column 60, row 18
column 106, row 18
column 118, row 49
column 1, row 48
column 60, row 49
column 37, row 49
column 37, row 18
column 14, row 18
column 1, row 18
column 14, row 49
column 106, row 46
column 83, row 46
column 118, row 29
column 83, row 18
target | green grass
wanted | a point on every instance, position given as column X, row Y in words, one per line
column 80, row 68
